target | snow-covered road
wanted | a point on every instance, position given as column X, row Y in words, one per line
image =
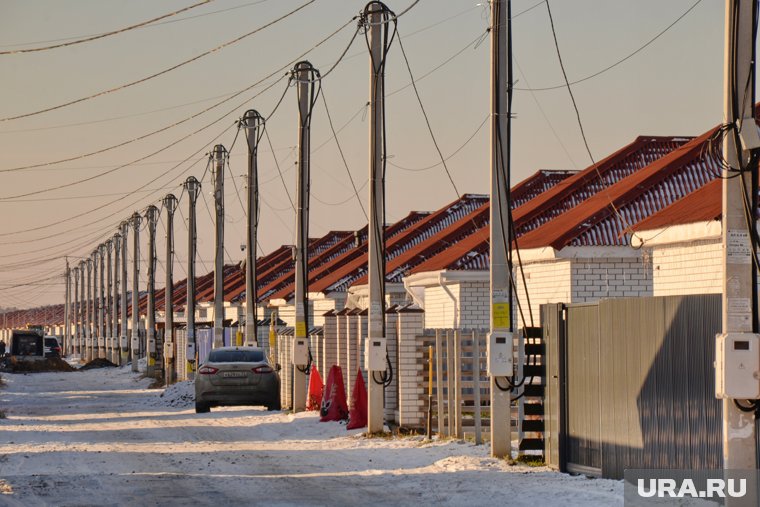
column 101, row 438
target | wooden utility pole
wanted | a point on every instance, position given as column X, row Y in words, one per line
column 738, row 347
column 220, row 157
column 115, row 354
column 136, row 220
column 500, row 339
column 306, row 78
column 170, row 205
column 107, row 304
column 377, row 17
column 124, row 342
column 253, row 123
column 193, row 187
column 151, row 215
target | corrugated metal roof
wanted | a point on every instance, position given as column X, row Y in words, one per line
column 699, row 206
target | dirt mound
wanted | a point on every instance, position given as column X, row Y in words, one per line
column 98, row 363
column 13, row 365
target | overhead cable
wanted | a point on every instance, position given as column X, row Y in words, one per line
column 103, row 35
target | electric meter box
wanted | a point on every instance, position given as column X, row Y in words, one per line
column 500, row 360
column 124, row 343
column 301, row 351
column 375, row 351
column 169, row 350
column 737, row 366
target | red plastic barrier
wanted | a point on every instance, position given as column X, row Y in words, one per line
column 314, row 401
column 357, row 417
column 334, row 407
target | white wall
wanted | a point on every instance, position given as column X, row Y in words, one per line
column 440, row 310
column 548, row 282
column 687, row 268
column 593, row 279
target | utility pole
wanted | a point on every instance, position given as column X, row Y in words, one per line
column 193, row 188
column 738, row 347
column 500, row 338
column 151, row 215
column 82, row 311
column 107, row 304
column 67, row 309
column 306, row 77
column 253, row 123
column 96, row 329
column 220, row 157
column 136, row 220
column 88, row 339
column 115, row 354
column 73, row 346
column 102, row 304
column 124, row 341
column 377, row 17
column 170, row 204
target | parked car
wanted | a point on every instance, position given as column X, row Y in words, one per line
column 52, row 346
column 237, row 376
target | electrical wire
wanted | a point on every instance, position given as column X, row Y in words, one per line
column 618, row 62
column 342, row 156
column 160, row 73
column 277, row 165
column 103, row 35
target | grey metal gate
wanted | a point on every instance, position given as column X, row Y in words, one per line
column 631, row 384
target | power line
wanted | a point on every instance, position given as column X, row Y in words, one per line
column 277, row 165
column 103, row 35
column 186, row 18
column 618, row 62
column 75, row 197
column 427, row 120
column 453, row 154
column 162, row 72
column 342, row 156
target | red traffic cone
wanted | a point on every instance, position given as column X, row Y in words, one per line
column 357, row 417
column 314, row 401
column 334, row 406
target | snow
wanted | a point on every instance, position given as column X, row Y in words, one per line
column 101, row 437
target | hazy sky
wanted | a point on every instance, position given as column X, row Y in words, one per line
column 673, row 87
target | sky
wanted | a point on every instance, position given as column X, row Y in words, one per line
column 672, row 87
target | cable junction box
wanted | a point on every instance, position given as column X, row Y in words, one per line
column 375, row 350
column 500, row 356
column 300, row 351
column 737, row 366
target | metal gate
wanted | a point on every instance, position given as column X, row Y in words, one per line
column 631, row 384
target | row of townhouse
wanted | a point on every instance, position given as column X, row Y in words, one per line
column 643, row 221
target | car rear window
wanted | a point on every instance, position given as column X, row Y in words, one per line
column 236, row 356
column 51, row 342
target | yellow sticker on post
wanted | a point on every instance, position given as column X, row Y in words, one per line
column 301, row 329
column 501, row 315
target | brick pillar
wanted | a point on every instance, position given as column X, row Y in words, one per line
column 330, row 343
column 342, row 351
column 391, row 335
column 411, row 408
column 362, row 324
column 349, row 374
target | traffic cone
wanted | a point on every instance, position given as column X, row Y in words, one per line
column 357, row 417
column 334, row 406
column 314, row 401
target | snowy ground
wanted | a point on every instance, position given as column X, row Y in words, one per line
column 102, row 438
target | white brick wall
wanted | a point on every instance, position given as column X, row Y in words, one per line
column 687, row 268
column 473, row 305
column 439, row 308
column 611, row 277
column 548, row 282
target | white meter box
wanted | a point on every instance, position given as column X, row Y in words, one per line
column 374, row 353
column 737, row 366
column 500, row 358
column 300, row 352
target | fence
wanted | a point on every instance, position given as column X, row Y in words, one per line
column 631, row 384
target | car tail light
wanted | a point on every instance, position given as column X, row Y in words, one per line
column 262, row 369
column 207, row 370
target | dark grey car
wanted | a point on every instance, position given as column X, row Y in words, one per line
column 236, row 376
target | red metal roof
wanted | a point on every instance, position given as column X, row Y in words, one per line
column 699, row 206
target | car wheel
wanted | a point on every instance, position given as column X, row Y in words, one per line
column 274, row 406
column 202, row 408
